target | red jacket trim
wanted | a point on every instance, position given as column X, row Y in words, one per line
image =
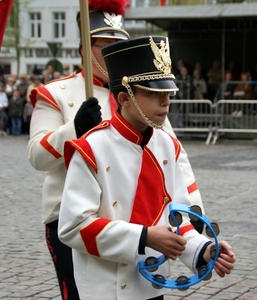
column 46, row 144
column 125, row 129
column 89, row 235
column 83, row 147
column 185, row 229
column 177, row 147
column 44, row 94
column 151, row 188
column 192, row 187
column 96, row 81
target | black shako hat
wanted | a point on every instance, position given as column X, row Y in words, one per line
column 106, row 19
column 143, row 62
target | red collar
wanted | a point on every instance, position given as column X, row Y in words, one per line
column 125, row 129
column 96, row 81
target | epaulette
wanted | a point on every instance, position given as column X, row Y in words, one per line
column 102, row 125
column 83, row 147
column 45, row 94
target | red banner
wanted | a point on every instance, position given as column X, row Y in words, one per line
column 5, row 9
column 163, row 2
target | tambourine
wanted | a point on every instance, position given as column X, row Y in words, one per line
column 151, row 264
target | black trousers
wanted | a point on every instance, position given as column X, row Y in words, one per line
column 62, row 259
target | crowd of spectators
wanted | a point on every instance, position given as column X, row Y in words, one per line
column 209, row 84
column 15, row 105
column 196, row 83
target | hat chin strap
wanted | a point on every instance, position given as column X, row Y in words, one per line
column 146, row 119
column 99, row 67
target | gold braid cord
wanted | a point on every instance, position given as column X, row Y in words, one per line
column 147, row 120
column 148, row 77
column 105, row 73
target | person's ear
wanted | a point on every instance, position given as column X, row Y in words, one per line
column 123, row 99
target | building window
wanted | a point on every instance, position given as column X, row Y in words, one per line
column 43, row 52
column 35, row 25
column 59, row 25
column 72, row 53
column 28, row 52
column 6, row 68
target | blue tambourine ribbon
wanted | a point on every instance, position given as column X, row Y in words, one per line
column 150, row 265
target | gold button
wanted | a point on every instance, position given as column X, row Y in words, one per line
column 62, row 86
column 108, row 169
column 114, row 203
column 165, row 161
column 165, row 200
column 123, row 286
column 70, row 103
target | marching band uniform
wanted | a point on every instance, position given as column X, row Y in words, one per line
column 117, row 183
column 52, row 123
column 56, row 106
column 98, row 218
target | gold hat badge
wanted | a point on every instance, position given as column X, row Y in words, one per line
column 162, row 59
column 113, row 20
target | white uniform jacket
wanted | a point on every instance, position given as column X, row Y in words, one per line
column 113, row 188
column 52, row 123
column 55, row 105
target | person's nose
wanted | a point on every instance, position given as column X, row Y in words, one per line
column 165, row 99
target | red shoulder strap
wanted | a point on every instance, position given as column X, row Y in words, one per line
column 44, row 94
column 83, row 147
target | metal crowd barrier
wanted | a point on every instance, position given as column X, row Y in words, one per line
column 202, row 117
column 235, row 117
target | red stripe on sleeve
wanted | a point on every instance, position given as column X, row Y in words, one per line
column 45, row 143
column 192, row 188
column 89, row 235
column 185, row 229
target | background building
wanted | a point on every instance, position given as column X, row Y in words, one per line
column 41, row 23
column 48, row 35
column 199, row 31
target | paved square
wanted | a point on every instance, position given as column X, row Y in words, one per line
column 227, row 177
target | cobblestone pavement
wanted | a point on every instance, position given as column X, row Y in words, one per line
column 227, row 177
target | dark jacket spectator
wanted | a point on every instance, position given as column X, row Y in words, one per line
column 15, row 112
column 244, row 90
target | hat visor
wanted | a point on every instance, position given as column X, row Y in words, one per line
column 110, row 35
column 163, row 85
